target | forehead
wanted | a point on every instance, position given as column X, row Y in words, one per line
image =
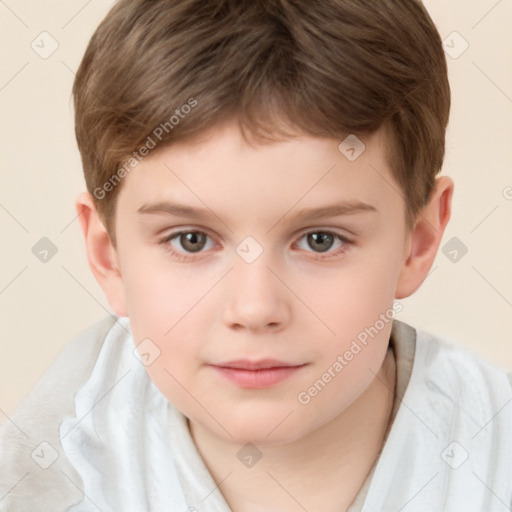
column 222, row 172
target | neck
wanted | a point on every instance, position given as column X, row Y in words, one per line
column 327, row 466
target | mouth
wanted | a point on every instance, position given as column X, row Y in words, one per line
column 264, row 373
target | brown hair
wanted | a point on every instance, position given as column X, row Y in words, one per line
column 321, row 67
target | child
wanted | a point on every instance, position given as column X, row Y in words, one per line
column 257, row 371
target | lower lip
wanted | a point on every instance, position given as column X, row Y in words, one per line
column 257, row 379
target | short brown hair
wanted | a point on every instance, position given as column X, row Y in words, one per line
column 324, row 67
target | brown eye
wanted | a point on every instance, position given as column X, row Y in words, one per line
column 193, row 241
column 319, row 242
column 184, row 243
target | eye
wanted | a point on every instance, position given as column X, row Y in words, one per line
column 323, row 241
column 188, row 242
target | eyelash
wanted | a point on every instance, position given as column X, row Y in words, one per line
column 187, row 257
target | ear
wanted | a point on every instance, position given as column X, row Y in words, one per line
column 101, row 254
column 425, row 237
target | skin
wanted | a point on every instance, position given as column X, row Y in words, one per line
column 289, row 304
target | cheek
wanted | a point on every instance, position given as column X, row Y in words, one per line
column 166, row 308
column 353, row 297
column 358, row 307
column 170, row 306
column 160, row 295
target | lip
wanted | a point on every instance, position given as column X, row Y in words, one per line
column 260, row 364
column 263, row 373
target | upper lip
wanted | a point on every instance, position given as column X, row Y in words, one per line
column 261, row 364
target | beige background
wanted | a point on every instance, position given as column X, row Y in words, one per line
column 44, row 305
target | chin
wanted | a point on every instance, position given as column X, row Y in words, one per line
column 262, row 429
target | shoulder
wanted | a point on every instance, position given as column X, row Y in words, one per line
column 446, row 375
column 34, row 473
column 451, row 419
column 462, row 364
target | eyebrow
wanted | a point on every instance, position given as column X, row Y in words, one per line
column 332, row 210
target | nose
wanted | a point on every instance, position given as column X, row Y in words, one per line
column 256, row 300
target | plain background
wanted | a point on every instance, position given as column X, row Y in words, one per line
column 46, row 304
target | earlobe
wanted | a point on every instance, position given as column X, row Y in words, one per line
column 101, row 254
column 425, row 238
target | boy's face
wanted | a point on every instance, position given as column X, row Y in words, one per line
column 253, row 286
